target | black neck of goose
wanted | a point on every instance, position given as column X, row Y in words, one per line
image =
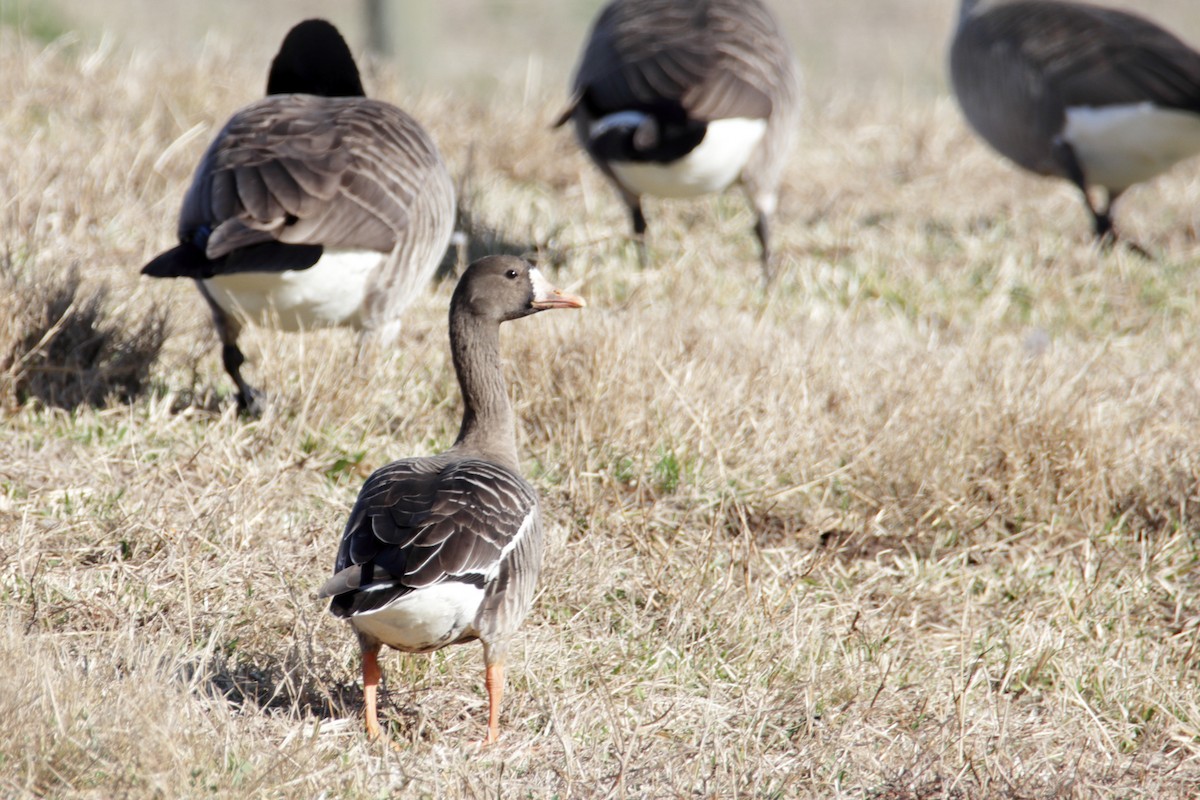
column 488, row 424
column 965, row 9
column 315, row 59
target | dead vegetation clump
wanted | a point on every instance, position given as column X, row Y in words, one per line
column 66, row 345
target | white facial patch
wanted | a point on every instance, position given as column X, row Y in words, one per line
column 542, row 288
column 330, row 292
column 711, row 166
column 1118, row 146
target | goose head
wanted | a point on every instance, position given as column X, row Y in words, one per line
column 501, row 288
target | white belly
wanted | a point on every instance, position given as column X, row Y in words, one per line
column 330, row 292
column 711, row 166
column 1119, row 146
column 425, row 619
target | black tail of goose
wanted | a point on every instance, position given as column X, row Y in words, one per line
column 678, row 98
column 313, row 206
column 1101, row 97
column 447, row 548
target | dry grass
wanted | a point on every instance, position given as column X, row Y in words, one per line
column 66, row 349
column 918, row 524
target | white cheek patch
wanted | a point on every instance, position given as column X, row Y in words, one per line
column 1119, row 146
column 711, row 166
column 330, row 292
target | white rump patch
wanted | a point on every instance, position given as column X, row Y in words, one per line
column 1119, row 146
column 714, row 163
column 425, row 619
column 330, row 292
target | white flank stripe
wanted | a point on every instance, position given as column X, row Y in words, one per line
column 1119, row 146
column 522, row 531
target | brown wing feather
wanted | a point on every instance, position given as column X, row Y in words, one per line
column 420, row 522
column 301, row 169
column 1093, row 56
column 717, row 58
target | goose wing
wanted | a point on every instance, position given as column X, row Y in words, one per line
column 291, row 174
column 422, row 522
column 718, row 60
column 1092, row 56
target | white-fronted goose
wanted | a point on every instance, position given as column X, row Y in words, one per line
column 1101, row 97
column 313, row 207
column 678, row 98
column 447, row 548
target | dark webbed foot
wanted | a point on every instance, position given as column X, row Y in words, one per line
column 250, row 401
column 1138, row 250
column 1107, row 242
column 1106, row 236
column 1101, row 217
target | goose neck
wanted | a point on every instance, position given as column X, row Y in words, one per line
column 488, row 423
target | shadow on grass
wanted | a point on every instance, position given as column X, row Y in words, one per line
column 286, row 684
column 291, row 686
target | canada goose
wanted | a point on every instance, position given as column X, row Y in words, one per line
column 678, row 98
column 447, row 548
column 1100, row 97
column 312, row 207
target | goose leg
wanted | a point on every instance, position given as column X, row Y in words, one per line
column 248, row 398
column 494, row 681
column 762, row 231
column 639, row 227
column 764, row 200
column 371, row 677
column 1101, row 218
column 1109, row 234
column 232, row 358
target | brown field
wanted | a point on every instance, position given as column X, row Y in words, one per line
column 918, row 522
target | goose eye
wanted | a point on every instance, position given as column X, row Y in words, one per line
column 512, row 273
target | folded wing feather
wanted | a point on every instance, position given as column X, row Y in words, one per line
column 421, row 522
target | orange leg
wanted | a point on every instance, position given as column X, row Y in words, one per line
column 494, row 681
column 371, row 676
